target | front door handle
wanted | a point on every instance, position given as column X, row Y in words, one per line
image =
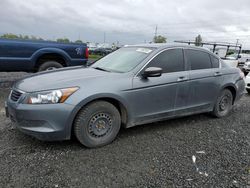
column 217, row 73
column 182, row 78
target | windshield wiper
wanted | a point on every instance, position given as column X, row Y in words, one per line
column 102, row 69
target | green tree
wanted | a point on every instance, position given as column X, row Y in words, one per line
column 160, row 39
column 78, row 41
column 24, row 37
column 230, row 52
column 198, row 40
column 9, row 36
column 63, row 40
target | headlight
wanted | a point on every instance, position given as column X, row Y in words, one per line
column 51, row 97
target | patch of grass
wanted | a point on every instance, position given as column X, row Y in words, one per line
column 93, row 56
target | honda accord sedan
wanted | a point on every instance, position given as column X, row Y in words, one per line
column 134, row 85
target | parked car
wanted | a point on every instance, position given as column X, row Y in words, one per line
column 91, row 50
column 134, row 85
column 32, row 56
column 246, row 67
column 102, row 51
column 92, row 47
column 243, row 58
column 247, row 80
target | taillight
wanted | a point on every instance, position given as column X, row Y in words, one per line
column 87, row 53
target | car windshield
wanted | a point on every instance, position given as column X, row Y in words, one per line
column 123, row 60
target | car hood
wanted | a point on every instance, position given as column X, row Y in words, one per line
column 61, row 78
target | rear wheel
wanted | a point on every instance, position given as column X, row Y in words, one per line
column 223, row 104
column 97, row 124
column 49, row 65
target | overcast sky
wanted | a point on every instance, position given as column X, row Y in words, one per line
column 128, row 21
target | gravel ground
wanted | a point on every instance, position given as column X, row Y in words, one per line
column 7, row 78
column 195, row 151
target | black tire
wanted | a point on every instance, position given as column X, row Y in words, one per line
column 97, row 124
column 224, row 104
column 248, row 91
column 49, row 65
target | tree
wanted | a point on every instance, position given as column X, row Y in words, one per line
column 78, row 41
column 160, row 39
column 63, row 40
column 9, row 36
column 26, row 37
column 230, row 52
column 198, row 40
column 23, row 37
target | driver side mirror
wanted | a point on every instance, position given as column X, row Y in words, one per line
column 152, row 72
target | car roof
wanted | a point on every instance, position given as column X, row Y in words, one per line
column 162, row 46
column 165, row 45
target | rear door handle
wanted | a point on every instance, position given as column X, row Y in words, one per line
column 182, row 78
column 217, row 74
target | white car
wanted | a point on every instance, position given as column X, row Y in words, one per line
column 244, row 58
column 247, row 81
column 246, row 66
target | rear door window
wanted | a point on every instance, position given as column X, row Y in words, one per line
column 198, row 59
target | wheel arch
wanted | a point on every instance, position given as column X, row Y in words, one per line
column 232, row 89
column 51, row 54
column 118, row 104
column 116, row 101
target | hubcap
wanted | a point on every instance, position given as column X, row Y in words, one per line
column 100, row 125
column 224, row 103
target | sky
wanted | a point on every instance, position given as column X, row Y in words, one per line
column 128, row 21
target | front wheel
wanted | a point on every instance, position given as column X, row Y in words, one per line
column 224, row 104
column 97, row 124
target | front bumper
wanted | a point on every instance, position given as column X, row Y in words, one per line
column 48, row 122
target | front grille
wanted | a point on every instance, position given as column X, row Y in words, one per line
column 15, row 95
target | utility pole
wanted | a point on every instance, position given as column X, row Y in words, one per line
column 104, row 37
column 237, row 42
column 156, row 31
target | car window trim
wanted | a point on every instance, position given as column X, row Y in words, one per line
column 212, row 55
column 163, row 50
